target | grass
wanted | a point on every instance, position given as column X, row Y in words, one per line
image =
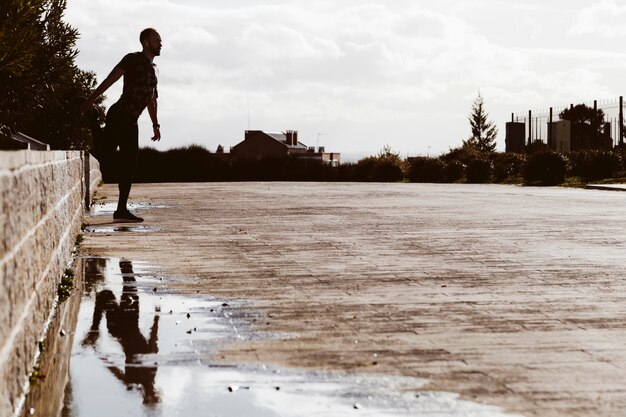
column 36, row 375
column 579, row 182
column 574, row 182
column 618, row 180
column 64, row 289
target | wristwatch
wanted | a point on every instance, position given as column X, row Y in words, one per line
column 156, row 125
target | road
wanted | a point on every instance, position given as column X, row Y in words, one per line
column 511, row 296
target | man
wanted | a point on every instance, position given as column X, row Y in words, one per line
column 139, row 92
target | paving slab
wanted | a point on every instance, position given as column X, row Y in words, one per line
column 510, row 296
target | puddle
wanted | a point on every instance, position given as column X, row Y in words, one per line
column 141, row 350
column 114, row 229
column 105, row 209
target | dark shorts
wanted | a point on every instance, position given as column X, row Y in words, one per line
column 121, row 131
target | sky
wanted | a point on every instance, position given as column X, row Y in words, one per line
column 355, row 76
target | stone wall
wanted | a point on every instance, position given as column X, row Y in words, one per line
column 42, row 199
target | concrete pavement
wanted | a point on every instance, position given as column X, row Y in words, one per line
column 510, row 296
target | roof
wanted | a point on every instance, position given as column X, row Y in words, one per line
column 282, row 138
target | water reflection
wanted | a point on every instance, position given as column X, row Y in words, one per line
column 154, row 357
column 105, row 228
column 122, row 320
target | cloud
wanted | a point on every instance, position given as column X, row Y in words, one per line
column 605, row 18
column 358, row 70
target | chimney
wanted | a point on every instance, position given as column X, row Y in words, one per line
column 295, row 138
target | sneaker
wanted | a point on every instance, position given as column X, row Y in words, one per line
column 126, row 216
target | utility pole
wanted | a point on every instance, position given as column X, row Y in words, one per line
column 550, row 129
column 621, row 121
column 248, row 103
column 595, row 130
column 530, row 127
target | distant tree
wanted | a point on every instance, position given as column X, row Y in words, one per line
column 587, row 126
column 39, row 81
column 484, row 132
column 388, row 153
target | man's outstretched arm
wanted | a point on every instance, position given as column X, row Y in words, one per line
column 115, row 75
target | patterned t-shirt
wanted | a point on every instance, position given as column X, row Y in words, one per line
column 140, row 83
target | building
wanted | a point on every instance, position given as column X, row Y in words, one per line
column 560, row 136
column 258, row 145
column 515, row 137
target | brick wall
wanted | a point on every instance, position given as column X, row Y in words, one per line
column 42, row 201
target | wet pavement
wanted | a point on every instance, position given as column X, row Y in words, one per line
column 507, row 296
column 141, row 349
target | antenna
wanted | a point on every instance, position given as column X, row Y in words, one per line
column 318, row 138
column 248, row 103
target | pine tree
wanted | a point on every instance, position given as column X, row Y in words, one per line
column 484, row 132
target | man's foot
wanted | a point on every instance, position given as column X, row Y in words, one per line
column 126, row 217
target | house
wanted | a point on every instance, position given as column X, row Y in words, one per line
column 258, row 145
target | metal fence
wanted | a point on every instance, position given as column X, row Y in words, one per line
column 536, row 121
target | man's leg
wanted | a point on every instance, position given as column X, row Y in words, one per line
column 122, row 201
column 109, row 140
column 129, row 148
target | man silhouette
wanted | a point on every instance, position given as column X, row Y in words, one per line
column 139, row 92
column 123, row 324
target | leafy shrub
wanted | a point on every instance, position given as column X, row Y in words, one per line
column 508, row 166
column 478, row 171
column 426, row 169
column 387, row 170
column 464, row 154
column 595, row 165
column 454, row 171
column 545, row 168
column 384, row 167
column 363, row 169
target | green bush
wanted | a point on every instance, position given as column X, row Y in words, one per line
column 478, row 171
column 426, row 169
column 508, row 166
column 545, row 168
column 595, row 165
column 464, row 154
column 384, row 167
column 363, row 169
column 387, row 170
column 454, row 171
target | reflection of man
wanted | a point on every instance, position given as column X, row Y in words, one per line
column 123, row 324
column 140, row 91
